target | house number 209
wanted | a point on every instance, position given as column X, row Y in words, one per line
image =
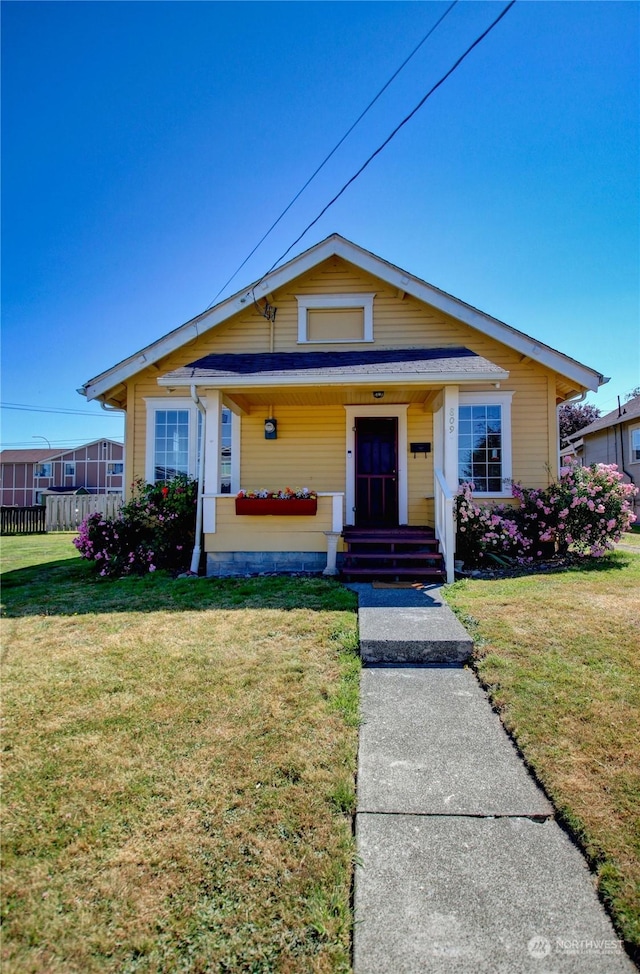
column 452, row 420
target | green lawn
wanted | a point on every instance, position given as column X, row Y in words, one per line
column 180, row 755
column 179, row 761
column 559, row 654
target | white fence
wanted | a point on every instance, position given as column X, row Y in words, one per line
column 66, row 512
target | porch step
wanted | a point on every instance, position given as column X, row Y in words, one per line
column 403, row 552
column 412, row 636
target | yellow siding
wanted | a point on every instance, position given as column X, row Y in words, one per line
column 310, row 449
column 269, row 533
column 420, row 467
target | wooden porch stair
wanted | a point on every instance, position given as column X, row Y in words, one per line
column 392, row 554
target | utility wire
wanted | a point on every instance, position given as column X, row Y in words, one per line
column 390, row 137
column 334, row 150
column 26, row 444
column 54, row 409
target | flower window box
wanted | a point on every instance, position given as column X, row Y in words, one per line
column 286, row 503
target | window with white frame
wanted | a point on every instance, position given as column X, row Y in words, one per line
column 113, row 469
column 44, row 470
column 635, row 445
column 174, row 437
column 484, row 442
column 226, row 449
column 70, row 469
column 335, row 318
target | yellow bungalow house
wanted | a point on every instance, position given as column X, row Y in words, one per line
column 344, row 374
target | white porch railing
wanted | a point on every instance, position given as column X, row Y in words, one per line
column 445, row 528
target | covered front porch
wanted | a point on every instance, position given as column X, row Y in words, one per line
column 376, row 440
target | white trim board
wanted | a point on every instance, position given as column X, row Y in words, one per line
column 382, row 412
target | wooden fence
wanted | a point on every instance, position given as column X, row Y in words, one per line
column 23, row 520
column 67, row 511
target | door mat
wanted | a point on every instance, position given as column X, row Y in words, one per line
column 414, row 585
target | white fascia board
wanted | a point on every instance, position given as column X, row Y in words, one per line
column 377, row 378
column 195, row 327
column 458, row 309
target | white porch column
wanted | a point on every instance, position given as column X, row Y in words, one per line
column 332, row 552
column 450, row 437
column 333, row 536
column 213, row 404
column 450, row 471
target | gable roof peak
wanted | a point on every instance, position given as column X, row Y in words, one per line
column 336, row 244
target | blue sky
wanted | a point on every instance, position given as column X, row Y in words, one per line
column 148, row 146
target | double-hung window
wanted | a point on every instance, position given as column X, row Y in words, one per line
column 484, row 442
column 635, row 445
column 174, row 441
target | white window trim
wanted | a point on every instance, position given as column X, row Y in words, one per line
column 153, row 405
column 70, row 463
column 44, row 476
column 502, row 399
column 212, row 469
column 384, row 412
column 328, row 302
column 632, row 430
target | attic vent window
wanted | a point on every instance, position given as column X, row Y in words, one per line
column 335, row 318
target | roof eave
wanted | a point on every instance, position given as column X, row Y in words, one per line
column 368, row 378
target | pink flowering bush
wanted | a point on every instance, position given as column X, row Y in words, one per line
column 584, row 512
column 587, row 510
column 155, row 529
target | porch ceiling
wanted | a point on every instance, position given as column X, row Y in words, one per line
column 327, row 395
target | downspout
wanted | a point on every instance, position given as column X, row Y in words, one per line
column 197, row 548
column 621, row 413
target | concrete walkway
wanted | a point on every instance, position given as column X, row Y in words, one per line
column 461, row 866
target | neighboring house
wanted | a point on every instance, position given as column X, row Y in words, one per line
column 347, row 375
column 28, row 475
column 614, row 438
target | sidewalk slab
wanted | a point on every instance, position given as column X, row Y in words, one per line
column 431, row 744
column 412, row 635
column 476, row 896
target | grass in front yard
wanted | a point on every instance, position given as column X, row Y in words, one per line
column 179, row 770
column 631, row 538
column 559, row 655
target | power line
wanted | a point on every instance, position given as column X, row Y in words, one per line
column 68, row 443
column 404, row 121
column 334, row 150
column 55, row 409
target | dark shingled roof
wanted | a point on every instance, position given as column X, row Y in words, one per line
column 400, row 361
column 629, row 411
